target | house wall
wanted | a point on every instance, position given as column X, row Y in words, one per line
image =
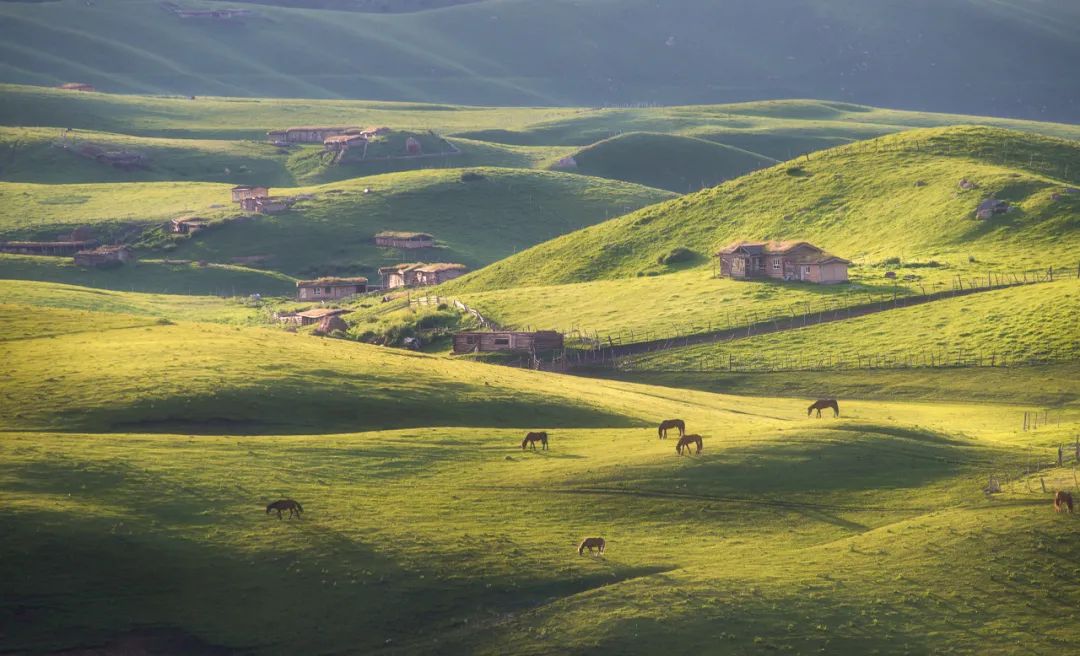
column 393, row 242
column 833, row 272
column 328, row 292
column 506, row 341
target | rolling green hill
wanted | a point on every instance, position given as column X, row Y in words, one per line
column 475, row 222
column 552, row 52
column 670, row 162
column 426, row 528
column 893, row 197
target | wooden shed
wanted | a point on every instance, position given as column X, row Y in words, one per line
column 265, row 205
column 308, row 317
column 243, row 192
column 325, row 289
column 392, row 239
column 47, row 247
column 420, row 274
column 314, row 133
column 488, row 342
column 186, row 225
column 104, row 256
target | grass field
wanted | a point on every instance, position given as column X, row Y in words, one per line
column 1036, row 322
column 865, row 517
column 627, row 52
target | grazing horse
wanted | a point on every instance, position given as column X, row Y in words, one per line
column 1063, row 501
column 285, row 504
column 533, row 438
column 821, row 404
column 590, row 544
column 671, row 423
column 685, row 441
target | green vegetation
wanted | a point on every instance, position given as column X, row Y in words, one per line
column 513, row 53
column 1020, row 323
column 877, row 507
column 671, row 162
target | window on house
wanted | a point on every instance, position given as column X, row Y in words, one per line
column 806, row 270
column 776, row 264
column 318, row 291
column 502, row 341
column 327, row 291
column 470, row 340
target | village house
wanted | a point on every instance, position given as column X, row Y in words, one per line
column 244, row 192
column 104, row 256
column 47, row 247
column 420, row 274
column 783, row 260
column 393, row 239
column 340, row 142
column 503, row 340
column 308, row 317
column 77, row 86
column 265, row 205
column 328, row 289
column 186, row 225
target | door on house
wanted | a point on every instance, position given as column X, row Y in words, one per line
column 804, row 272
column 755, row 265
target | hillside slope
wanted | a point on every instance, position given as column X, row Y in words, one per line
column 672, row 162
column 516, row 52
column 896, row 196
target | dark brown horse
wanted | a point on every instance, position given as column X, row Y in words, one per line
column 821, row 404
column 671, row 423
column 285, row 504
column 590, row 544
column 533, row 438
column 685, row 441
column 1063, row 501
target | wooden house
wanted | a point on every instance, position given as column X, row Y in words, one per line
column 782, row 260
column 104, row 256
column 503, row 340
column 391, row 239
column 244, row 192
column 69, row 247
column 418, row 274
column 328, row 289
column 265, row 205
column 308, row 317
column 186, row 225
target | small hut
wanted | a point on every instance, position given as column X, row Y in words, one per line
column 187, row 225
column 244, row 192
column 504, row 340
column 325, row 289
column 407, row 240
column 104, row 256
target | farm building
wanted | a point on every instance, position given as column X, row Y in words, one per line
column 308, row 317
column 46, row 247
column 487, row 342
column 77, row 86
column 323, row 289
column 311, row 134
column 265, row 205
column 340, row 142
column 104, row 256
column 420, row 274
column 243, row 192
column 392, row 239
column 784, row 260
column 186, row 225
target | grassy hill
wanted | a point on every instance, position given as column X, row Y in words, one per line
column 426, row 528
column 679, row 164
column 603, row 52
column 1019, row 323
column 474, row 222
column 893, row 197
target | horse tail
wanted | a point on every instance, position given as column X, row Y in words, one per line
column 298, row 506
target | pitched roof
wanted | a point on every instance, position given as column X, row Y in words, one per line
column 404, row 235
column 331, row 282
column 401, row 268
column 319, row 313
column 765, row 247
column 441, row 266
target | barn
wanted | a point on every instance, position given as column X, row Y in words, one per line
column 503, row 340
column 104, row 256
column 241, row 193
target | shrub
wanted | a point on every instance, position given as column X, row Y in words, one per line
column 796, row 171
column 471, row 176
column 676, row 255
column 891, row 261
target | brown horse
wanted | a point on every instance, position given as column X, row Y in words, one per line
column 1063, row 501
column 533, row 438
column 821, row 404
column 685, row 441
column 590, row 544
column 285, row 504
column 671, row 423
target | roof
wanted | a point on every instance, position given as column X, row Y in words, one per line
column 319, row 313
column 822, row 258
column 509, row 332
column 49, row 244
column 344, row 138
column 404, row 235
column 105, row 250
column 321, row 127
column 400, row 268
column 191, row 219
column 766, row 247
column 331, row 282
column 441, row 266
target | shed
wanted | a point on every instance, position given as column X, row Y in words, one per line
column 322, row 289
column 339, row 142
column 308, row 317
column 314, row 133
column 104, row 256
column 407, row 240
column 265, row 205
column 440, row 272
column 243, row 192
column 185, row 225
column 487, row 342
column 46, row 247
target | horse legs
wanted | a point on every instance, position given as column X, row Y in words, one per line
column 819, row 413
column 279, row 513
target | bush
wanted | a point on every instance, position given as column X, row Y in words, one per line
column 796, row 171
column 676, row 255
column 891, row 261
column 471, row 176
